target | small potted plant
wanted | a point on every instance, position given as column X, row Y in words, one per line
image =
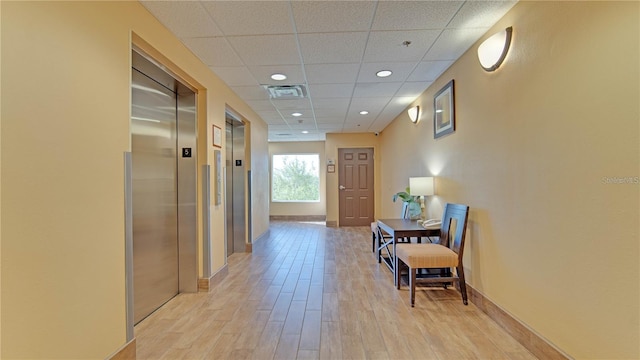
column 411, row 202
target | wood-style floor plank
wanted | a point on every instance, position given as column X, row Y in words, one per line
column 312, row 292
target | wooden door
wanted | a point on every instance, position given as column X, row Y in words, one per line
column 355, row 176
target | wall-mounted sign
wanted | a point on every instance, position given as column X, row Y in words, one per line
column 238, row 162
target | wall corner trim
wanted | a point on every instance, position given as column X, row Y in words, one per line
column 207, row 284
column 532, row 341
column 126, row 352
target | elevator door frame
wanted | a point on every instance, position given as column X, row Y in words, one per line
column 186, row 183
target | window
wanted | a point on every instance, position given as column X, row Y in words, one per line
column 295, row 178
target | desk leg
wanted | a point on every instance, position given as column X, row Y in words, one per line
column 378, row 248
column 395, row 262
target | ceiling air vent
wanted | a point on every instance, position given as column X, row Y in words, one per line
column 284, row 92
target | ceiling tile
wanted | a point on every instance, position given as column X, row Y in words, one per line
column 429, row 70
column 374, row 105
column 388, row 45
column 328, row 127
column 356, row 128
column 327, row 91
column 453, row 43
column 263, row 74
column 251, row 92
column 342, row 104
column 183, row 18
column 250, row 17
column 259, row 105
column 376, row 89
column 332, row 73
column 480, row 14
column 359, row 124
column 308, row 125
column 291, row 104
column 280, row 127
column 407, row 15
column 332, row 48
column 401, row 71
column 413, row 89
column 235, row 76
column 266, row 50
column 292, row 120
column 336, row 113
column 357, row 118
column 332, row 16
column 214, row 51
column 329, row 123
column 273, row 121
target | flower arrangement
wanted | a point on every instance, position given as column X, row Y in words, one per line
column 411, row 201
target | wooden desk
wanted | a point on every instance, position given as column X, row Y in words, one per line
column 398, row 229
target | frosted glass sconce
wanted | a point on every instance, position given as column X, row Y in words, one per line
column 493, row 50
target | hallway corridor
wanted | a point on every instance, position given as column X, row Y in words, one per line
column 312, row 292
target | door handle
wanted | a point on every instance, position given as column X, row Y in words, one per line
column 341, row 187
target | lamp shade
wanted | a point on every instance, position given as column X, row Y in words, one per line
column 493, row 50
column 421, row 186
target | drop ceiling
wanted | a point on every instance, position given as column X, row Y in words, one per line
column 332, row 51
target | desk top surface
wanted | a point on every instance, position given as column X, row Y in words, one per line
column 404, row 225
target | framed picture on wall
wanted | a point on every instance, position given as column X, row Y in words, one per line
column 217, row 136
column 444, row 112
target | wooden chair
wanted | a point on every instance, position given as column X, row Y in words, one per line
column 443, row 256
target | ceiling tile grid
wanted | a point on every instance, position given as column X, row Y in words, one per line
column 331, row 48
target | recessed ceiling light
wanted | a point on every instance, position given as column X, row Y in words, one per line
column 384, row 73
column 296, row 114
column 278, row 77
column 364, row 112
column 305, row 132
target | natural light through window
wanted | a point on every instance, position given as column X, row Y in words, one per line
column 295, row 178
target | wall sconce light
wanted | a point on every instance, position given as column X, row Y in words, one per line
column 493, row 50
column 414, row 114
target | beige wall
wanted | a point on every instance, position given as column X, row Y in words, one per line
column 550, row 240
column 332, row 144
column 300, row 208
column 65, row 122
column 0, row 197
column 259, row 173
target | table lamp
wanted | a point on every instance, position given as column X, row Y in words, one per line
column 421, row 187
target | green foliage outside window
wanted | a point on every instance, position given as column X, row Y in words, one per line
column 296, row 178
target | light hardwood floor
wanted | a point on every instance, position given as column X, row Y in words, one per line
column 312, row 292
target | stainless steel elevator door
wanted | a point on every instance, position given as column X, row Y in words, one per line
column 229, row 188
column 154, row 187
column 235, row 185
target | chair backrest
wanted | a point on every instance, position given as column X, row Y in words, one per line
column 405, row 210
column 461, row 214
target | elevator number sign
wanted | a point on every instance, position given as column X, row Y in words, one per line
column 186, row 152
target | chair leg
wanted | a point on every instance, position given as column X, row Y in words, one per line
column 373, row 241
column 412, row 285
column 463, row 284
column 396, row 272
column 444, row 272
